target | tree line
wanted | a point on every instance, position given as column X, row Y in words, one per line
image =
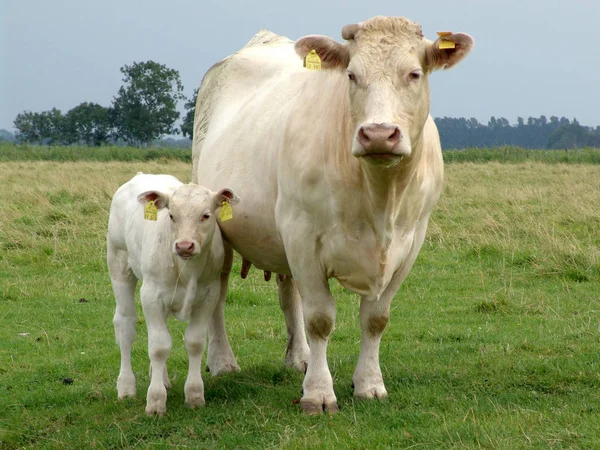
column 538, row 133
column 143, row 110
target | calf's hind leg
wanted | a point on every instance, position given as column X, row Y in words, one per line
column 123, row 283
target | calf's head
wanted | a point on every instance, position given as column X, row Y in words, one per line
column 192, row 215
column 387, row 61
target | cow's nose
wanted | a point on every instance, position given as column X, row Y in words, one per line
column 184, row 247
column 379, row 137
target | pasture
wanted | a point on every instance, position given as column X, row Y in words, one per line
column 493, row 341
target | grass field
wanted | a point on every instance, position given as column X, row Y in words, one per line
column 493, row 342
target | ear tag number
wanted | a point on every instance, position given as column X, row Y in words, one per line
column 150, row 211
column 312, row 61
column 443, row 43
column 226, row 212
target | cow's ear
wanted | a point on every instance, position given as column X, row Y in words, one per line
column 439, row 55
column 160, row 199
column 332, row 53
column 226, row 195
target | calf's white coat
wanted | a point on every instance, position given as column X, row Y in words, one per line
column 179, row 258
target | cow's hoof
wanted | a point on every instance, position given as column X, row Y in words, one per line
column 300, row 366
column 297, row 359
column 312, row 407
column 219, row 369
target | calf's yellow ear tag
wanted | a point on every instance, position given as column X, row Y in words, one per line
column 226, row 212
column 445, row 44
column 150, row 211
column 312, row 61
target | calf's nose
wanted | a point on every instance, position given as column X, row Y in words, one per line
column 184, row 247
column 379, row 137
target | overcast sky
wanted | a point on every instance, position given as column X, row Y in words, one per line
column 531, row 57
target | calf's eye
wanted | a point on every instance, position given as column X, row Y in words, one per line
column 205, row 217
column 351, row 77
column 171, row 216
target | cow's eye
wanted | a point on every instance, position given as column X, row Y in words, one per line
column 351, row 77
column 205, row 217
column 414, row 75
column 171, row 216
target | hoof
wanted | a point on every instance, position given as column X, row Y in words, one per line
column 313, row 408
column 377, row 392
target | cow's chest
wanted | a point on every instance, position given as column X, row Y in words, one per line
column 365, row 263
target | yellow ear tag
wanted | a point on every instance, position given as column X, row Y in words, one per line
column 444, row 44
column 150, row 211
column 312, row 61
column 226, row 212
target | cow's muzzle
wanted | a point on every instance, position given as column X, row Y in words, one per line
column 381, row 143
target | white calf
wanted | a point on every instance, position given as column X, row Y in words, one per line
column 165, row 233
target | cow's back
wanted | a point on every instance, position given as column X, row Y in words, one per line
column 238, row 130
column 231, row 82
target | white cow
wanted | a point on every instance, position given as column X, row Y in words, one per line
column 341, row 167
column 179, row 258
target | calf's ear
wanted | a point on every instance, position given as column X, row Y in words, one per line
column 160, row 199
column 226, row 195
column 440, row 55
column 332, row 53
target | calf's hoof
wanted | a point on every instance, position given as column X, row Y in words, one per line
column 126, row 387
column 377, row 392
column 314, row 407
column 156, row 409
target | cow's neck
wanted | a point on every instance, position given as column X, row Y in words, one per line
column 386, row 191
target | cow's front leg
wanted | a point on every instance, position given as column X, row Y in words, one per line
column 297, row 351
column 367, row 379
column 220, row 357
column 319, row 316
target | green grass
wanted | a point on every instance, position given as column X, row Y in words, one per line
column 519, row 155
column 493, row 339
column 25, row 152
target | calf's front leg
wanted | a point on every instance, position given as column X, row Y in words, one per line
column 159, row 348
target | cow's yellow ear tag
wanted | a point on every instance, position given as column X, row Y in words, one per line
column 445, row 44
column 312, row 61
column 150, row 211
column 226, row 212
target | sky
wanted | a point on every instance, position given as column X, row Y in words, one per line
column 531, row 57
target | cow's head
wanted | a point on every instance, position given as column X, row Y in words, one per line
column 191, row 214
column 387, row 61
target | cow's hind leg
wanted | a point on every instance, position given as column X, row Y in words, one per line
column 297, row 348
column 123, row 283
column 220, row 357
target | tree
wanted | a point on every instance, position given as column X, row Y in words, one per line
column 27, row 128
column 46, row 127
column 145, row 107
column 87, row 123
column 187, row 127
